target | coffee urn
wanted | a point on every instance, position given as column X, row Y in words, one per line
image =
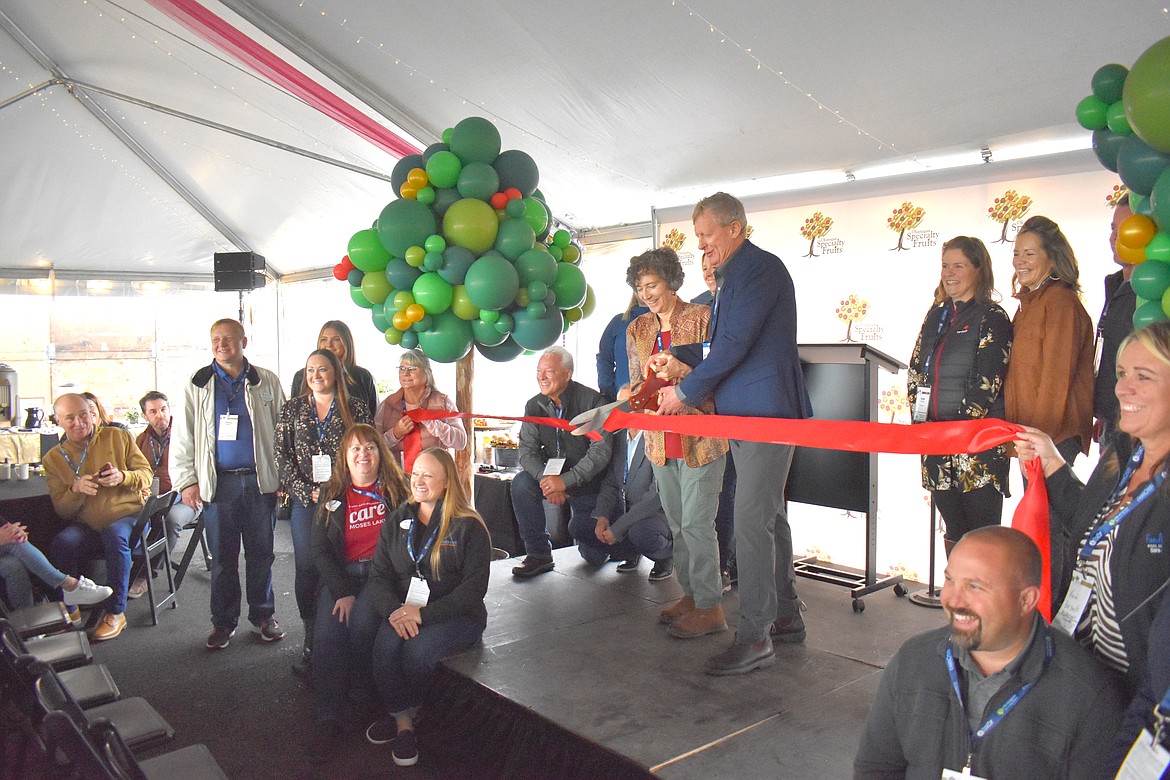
column 9, row 400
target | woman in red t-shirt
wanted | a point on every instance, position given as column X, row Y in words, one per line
column 365, row 487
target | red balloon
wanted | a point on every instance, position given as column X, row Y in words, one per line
column 513, row 193
column 347, row 264
column 339, row 272
column 499, row 200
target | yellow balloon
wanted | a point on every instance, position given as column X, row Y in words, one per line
column 401, row 321
column 411, row 193
column 1136, row 231
column 417, row 178
column 415, row 312
column 1129, row 254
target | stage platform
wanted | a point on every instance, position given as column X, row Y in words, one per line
column 576, row 678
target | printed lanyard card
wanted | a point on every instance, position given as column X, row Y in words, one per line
column 228, row 425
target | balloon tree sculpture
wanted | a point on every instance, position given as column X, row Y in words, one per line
column 466, row 254
column 1129, row 114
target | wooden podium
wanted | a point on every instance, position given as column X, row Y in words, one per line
column 842, row 382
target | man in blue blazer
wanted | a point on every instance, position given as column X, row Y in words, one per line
column 628, row 520
column 752, row 369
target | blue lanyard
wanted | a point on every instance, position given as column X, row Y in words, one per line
column 659, row 342
column 1105, row 528
column 84, row 453
column 231, row 387
column 714, row 314
column 156, row 451
column 369, row 493
column 323, row 425
column 942, row 325
column 1001, row 711
column 426, row 547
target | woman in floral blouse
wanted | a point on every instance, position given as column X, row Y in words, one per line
column 957, row 373
column 307, row 440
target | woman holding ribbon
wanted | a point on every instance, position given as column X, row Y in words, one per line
column 1110, row 561
column 365, row 487
column 688, row 469
column 427, row 585
column 956, row 373
column 307, row 437
column 405, row 437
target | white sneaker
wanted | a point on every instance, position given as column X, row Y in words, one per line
column 86, row 592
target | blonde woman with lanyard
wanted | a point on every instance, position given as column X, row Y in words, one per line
column 366, row 486
column 405, row 437
column 429, row 577
column 307, row 437
column 1110, row 561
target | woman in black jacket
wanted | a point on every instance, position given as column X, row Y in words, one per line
column 366, row 486
column 427, row 585
column 957, row 373
column 336, row 337
column 1110, row 559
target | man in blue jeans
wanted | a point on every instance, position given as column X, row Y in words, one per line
column 557, row 467
column 222, row 458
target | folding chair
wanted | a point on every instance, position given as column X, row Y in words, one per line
column 198, row 538
column 60, row 651
column 148, row 541
column 194, row 762
column 88, row 685
column 51, row 618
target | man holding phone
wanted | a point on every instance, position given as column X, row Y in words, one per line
column 96, row 477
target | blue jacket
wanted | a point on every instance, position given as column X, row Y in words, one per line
column 613, row 366
column 640, row 491
column 753, row 368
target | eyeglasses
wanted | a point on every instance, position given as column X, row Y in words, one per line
column 407, row 369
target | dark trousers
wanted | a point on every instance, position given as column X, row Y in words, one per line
column 650, row 537
column 240, row 514
column 305, row 582
column 341, row 652
column 725, row 518
column 404, row 668
column 528, row 503
column 76, row 544
column 963, row 512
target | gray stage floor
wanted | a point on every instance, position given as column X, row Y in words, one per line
column 578, row 646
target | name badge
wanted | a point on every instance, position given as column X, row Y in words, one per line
column 965, row 774
column 1145, row 761
column 228, row 425
column 419, row 593
column 921, row 403
column 1068, row 617
column 322, row 468
column 554, row 467
column 706, row 349
column 332, row 506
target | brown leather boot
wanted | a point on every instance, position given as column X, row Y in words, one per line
column 699, row 622
column 676, row 610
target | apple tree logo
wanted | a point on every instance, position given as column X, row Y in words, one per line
column 893, row 401
column 905, row 217
column 1009, row 208
column 674, row 239
column 813, row 228
column 851, row 310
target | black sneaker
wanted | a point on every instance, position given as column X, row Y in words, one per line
column 405, row 748
column 270, row 630
column 382, row 730
column 662, row 570
column 629, row 564
column 219, row 638
column 532, row 566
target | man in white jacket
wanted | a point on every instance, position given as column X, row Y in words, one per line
column 222, row 458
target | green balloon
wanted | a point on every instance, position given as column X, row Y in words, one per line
column 409, row 339
column 456, row 261
column 379, row 318
column 433, row 293
column 434, row 243
column 536, row 265
column 447, row 340
column 1160, row 200
column 536, row 215
column 590, row 302
column 556, row 252
column 402, row 299
column 569, row 286
column 375, row 288
column 514, row 238
column 535, row 309
column 462, row 305
column 366, row 251
column 423, row 325
column 1106, row 144
column 1139, row 204
column 517, row 169
column 1158, row 249
column 1139, row 165
column 433, row 261
column 537, row 333
column 1091, row 113
column 1108, row 82
column 537, row 290
column 1151, row 279
column 571, row 254
column 517, row 209
column 401, row 274
column 356, row 294
column 426, row 195
column 402, row 168
column 446, row 136
column 562, row 238
column 1147, row 96
column 432, row 150
column 1148, row 313
column 490, row 316
column 478, row 180
column 444, row 197
column 505, row 322
column 491, row 282
column 404, row 223
column 471, row 224
column 393, row 335
column 485, row 333
column 443, row 170
column 475, row 139
column 502, row 352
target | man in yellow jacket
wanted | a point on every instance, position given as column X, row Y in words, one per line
column 96, row 477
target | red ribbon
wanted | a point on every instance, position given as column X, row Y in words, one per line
column 932, row 438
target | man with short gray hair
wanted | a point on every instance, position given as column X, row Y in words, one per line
column 557, row 467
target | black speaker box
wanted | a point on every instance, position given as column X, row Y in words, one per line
column 238, row 271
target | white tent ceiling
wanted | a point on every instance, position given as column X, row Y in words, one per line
column 625, row 105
